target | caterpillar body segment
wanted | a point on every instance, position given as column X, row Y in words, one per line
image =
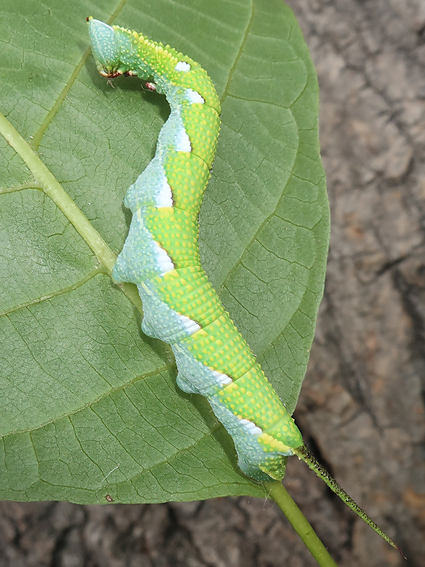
column 161, row 256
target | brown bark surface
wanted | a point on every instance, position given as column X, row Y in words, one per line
column 362, row 404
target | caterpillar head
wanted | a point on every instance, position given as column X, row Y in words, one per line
column 105, row 49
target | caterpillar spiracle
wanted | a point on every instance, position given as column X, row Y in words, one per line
column 161, row 256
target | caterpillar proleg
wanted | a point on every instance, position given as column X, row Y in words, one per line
column 161, row 256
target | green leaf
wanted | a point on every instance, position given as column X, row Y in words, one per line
column 90, row 408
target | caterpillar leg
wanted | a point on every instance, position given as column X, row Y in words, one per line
column 150, row 188
column 185, row 385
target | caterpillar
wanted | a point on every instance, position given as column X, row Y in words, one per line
column 161, row 256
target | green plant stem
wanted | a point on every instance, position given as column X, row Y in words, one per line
column 59, row 196
column 298, row 521
column 53, row 189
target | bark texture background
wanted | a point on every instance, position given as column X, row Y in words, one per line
column 362, row 404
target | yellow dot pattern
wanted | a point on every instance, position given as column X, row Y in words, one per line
column 286, row 432
column 176, row 231
column 274, row 466
column 221, row 347
column 186, row 290
column 163, row 59
column 202, row 125
column 189, row 292
column 187, row 176
column 252, row 397
column 198, row 80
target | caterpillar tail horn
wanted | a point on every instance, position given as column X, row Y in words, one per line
column 304, row 454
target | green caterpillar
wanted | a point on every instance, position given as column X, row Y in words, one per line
column 161, row 256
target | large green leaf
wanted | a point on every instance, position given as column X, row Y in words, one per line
column 89, row 406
